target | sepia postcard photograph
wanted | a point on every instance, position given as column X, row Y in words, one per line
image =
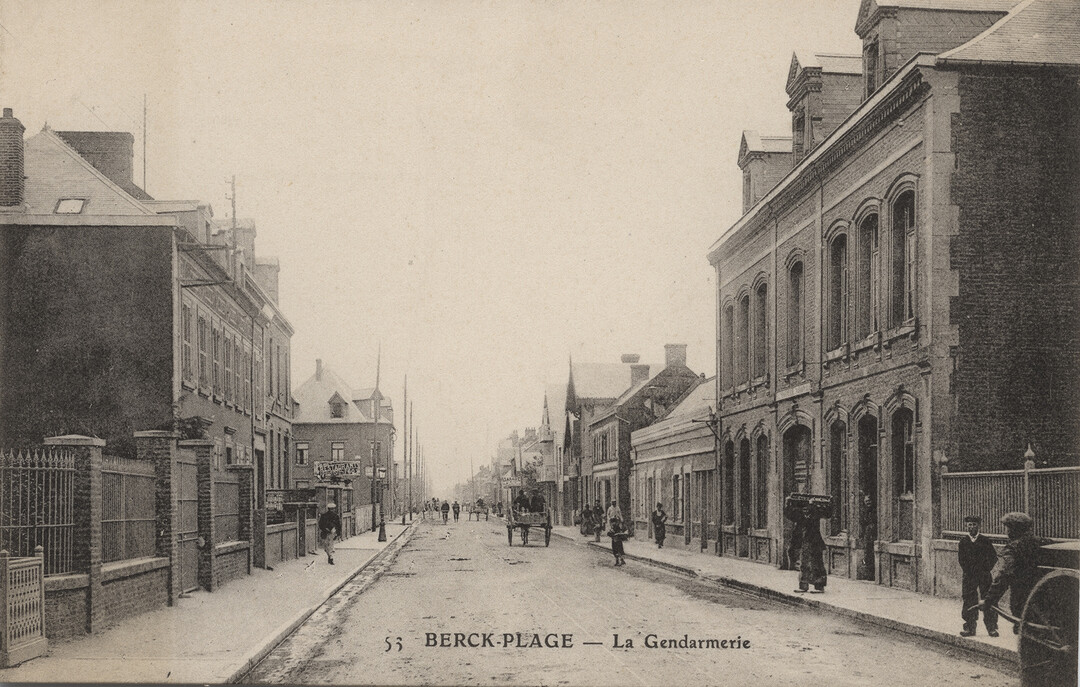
column 540, row 342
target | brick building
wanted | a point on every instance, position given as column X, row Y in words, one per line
column 335, row 423
column 904, row 297
column 648, row 399
column 122, row 313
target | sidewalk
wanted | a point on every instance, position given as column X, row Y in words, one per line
column 208, row 637
column 930, row 617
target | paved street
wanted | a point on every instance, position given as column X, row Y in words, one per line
column 503, row 606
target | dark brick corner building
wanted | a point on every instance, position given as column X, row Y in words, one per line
column 903, row 301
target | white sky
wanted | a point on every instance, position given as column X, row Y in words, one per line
column 484, row 187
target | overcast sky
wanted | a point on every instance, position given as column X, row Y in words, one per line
column 485, row 187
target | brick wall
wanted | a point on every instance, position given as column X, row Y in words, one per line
column 130, row 596
column 1017, row 185
column 65, row 612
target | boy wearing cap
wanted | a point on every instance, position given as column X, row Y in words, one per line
column 329, row 529
column 977, row 559
column 1019, row 565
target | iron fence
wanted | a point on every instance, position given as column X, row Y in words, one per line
column 37, row 488
column 1049, row 495
column 128, row 509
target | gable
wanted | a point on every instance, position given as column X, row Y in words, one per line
column 54, row 171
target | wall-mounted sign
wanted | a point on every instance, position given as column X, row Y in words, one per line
column 326, row 470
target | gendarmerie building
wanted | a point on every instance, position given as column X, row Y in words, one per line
column 900, row 298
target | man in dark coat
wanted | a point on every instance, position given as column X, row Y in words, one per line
column 445, row 508
column 807, row 544
column 329, row 530
column 457, row 510
column 1020, row 565
column 977, row 560
column 521, row 502
column 659, row 523
column 537, row 503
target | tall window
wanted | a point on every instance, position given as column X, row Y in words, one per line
column 761, row 484
column 761, row 300
column 747, row 199
column 185, row 323
column 204, row 348
column 337, row 451
column 729, row 483
column 676, row 497
column 902, row 272
column 228, row 367
column 870, row 67
column 903, row 458
column 794, row 315
column 837, row 478
column 745, row 487
column 217, row 362
column 742, row 341
column 837, row 291
column 728, row 348
column 866, row 298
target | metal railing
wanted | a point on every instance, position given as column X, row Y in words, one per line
column 1049, row 495
column 37, row 489
column 128, row 509
column 22, row 618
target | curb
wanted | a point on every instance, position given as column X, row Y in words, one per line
column 246, row 664
column 970, row 647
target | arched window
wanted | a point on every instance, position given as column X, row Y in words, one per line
column 866, row 278
column 903, row 463
column 837, row 292
column 837, row 479
column 794, row 314
column 742, row 341
column 727, row 346
column 902, row 268
column 761, row 300
column 761, row 483
column 729, row 483
column 745, row 490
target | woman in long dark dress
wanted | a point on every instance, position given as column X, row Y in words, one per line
column 618, row 536
column 807, row 545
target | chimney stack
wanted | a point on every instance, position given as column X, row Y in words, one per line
column 674, row 354
column 318, row 369
column 630, row 358
column 12, row 184
column 638, row 373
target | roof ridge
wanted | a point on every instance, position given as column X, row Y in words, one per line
column 993, row 28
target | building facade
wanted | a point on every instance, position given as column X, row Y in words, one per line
column 897, row 305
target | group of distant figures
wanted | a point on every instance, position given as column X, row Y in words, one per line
column 524, row 503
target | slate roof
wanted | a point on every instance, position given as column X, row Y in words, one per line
column 754, row 143
column 314, row 396
column 600, row 380
column 697, row 402
column 1035, row 32
column 55, row 170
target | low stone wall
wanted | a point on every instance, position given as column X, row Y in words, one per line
column 129, row 588
column 232, row 560
column 281, row 544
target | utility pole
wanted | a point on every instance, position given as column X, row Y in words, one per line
column 144, row 141
column 412, row 428
column 405, row 445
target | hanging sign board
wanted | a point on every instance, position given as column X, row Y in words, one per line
column 326, row 470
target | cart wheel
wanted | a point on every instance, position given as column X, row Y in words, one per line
column 547, row 536
column 510, row 535
column 1048, row 633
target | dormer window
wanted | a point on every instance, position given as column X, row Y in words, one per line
column 337, row 410
column 870, row 67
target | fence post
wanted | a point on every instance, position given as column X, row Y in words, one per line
column 159, row 447
column 5, row 612
column 204, row 470
column 87, row 554
column 1029, row 465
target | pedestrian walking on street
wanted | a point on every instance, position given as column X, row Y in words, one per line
column 659, row 523
column 457, row 510
column 329, row 530
column 598, row 519
column 445, row 512
column 1019, row 566
column 618, row 535
column 807, row 545
column 977, row 560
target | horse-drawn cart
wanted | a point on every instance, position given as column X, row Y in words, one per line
column 1048, row 624
column 524, row 522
